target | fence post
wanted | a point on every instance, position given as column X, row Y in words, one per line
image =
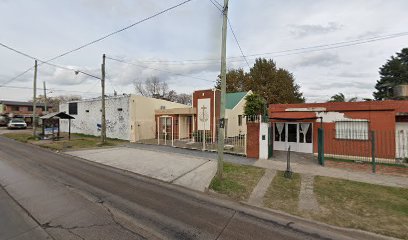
column 373, row 150
column 288, row 172
column 245, row 143
column 320, row 146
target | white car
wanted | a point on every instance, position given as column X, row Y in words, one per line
column 17, row 123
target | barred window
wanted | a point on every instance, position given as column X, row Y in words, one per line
column 352, row 130
column 73, row 108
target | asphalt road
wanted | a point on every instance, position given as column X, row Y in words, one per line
column 70, row 198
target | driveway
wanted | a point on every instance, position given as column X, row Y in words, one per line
column 191, row 172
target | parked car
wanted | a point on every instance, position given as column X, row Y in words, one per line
column 16, row 123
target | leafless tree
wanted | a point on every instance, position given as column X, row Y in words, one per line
column 54, row 102
column 184, row 98
column 156, row 88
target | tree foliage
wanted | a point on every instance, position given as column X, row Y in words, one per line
column 394, row 72
column 157, row 88
column 255, row 105
column 275, row 85
column 339, row 97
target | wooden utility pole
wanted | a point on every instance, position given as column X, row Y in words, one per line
column 35, row 99
column 103, row 123
column 45, row 98
column 221, row 129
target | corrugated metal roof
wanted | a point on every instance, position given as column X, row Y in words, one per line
column 61, row 115
column 232, row 99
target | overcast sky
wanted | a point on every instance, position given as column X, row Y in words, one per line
column 47, row 28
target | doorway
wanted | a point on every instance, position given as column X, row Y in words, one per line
column 296, row 135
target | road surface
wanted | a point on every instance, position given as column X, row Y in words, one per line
column 63, row 197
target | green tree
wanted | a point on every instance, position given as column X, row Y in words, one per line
column 339, row 97
column 237, row 80
column 275, row 85
column 394, row 72
column 255, row 105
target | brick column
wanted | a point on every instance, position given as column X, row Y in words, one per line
column 253, row 140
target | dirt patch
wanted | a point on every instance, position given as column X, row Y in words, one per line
column 367, row 167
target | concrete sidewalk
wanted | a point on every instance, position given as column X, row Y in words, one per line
column 385, row 180
column 191, row 172
column 297, row 166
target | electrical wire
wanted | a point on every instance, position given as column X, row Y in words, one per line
column 41, row 62
column 103, row 37
column 50, row 90
column 156, row 69
column 320, row 47
column 232, row 31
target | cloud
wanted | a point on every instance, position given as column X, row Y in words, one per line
column 357, row 75
column 306, row 30
column 324, row 59
column 342, row 85
column 125, row 74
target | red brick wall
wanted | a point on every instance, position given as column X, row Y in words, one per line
column 22, row 110
column 381, row 116
column 382, row 122
column 252, row 140
column 209, row 93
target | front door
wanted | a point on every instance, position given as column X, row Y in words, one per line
column 292, row 136
column 299, row 136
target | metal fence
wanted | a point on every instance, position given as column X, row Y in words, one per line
column 364, row 145
column 180, row 133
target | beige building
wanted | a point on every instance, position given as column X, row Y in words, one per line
column 128, row 117
column 234, row 114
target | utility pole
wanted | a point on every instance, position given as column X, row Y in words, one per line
column 103, row 123
column 35, row 99
column 221, row 129
column 45, row 98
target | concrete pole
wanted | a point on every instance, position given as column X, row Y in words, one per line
column 221, row 133
column 103, row 120
column 35, row 99
column 45, row 98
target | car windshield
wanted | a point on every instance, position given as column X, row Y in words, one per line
column 17, row 120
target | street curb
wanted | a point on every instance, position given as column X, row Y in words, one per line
column 298, row 224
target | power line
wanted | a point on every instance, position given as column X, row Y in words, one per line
column 320, row 47
column 333, row 47
column 104, row 37
column 48, row 90
column 239, row 46
column 232, row 31
column 41, row 62
column 156, row 69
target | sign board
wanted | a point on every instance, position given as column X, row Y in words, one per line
column 204, row 114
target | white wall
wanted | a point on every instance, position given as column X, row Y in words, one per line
column 233, row 128
column 117, row 122
column 263, row 140
column 135, row 122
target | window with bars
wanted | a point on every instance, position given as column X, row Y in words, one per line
column 239, row 120
column 352, row 130
column 73, row 108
